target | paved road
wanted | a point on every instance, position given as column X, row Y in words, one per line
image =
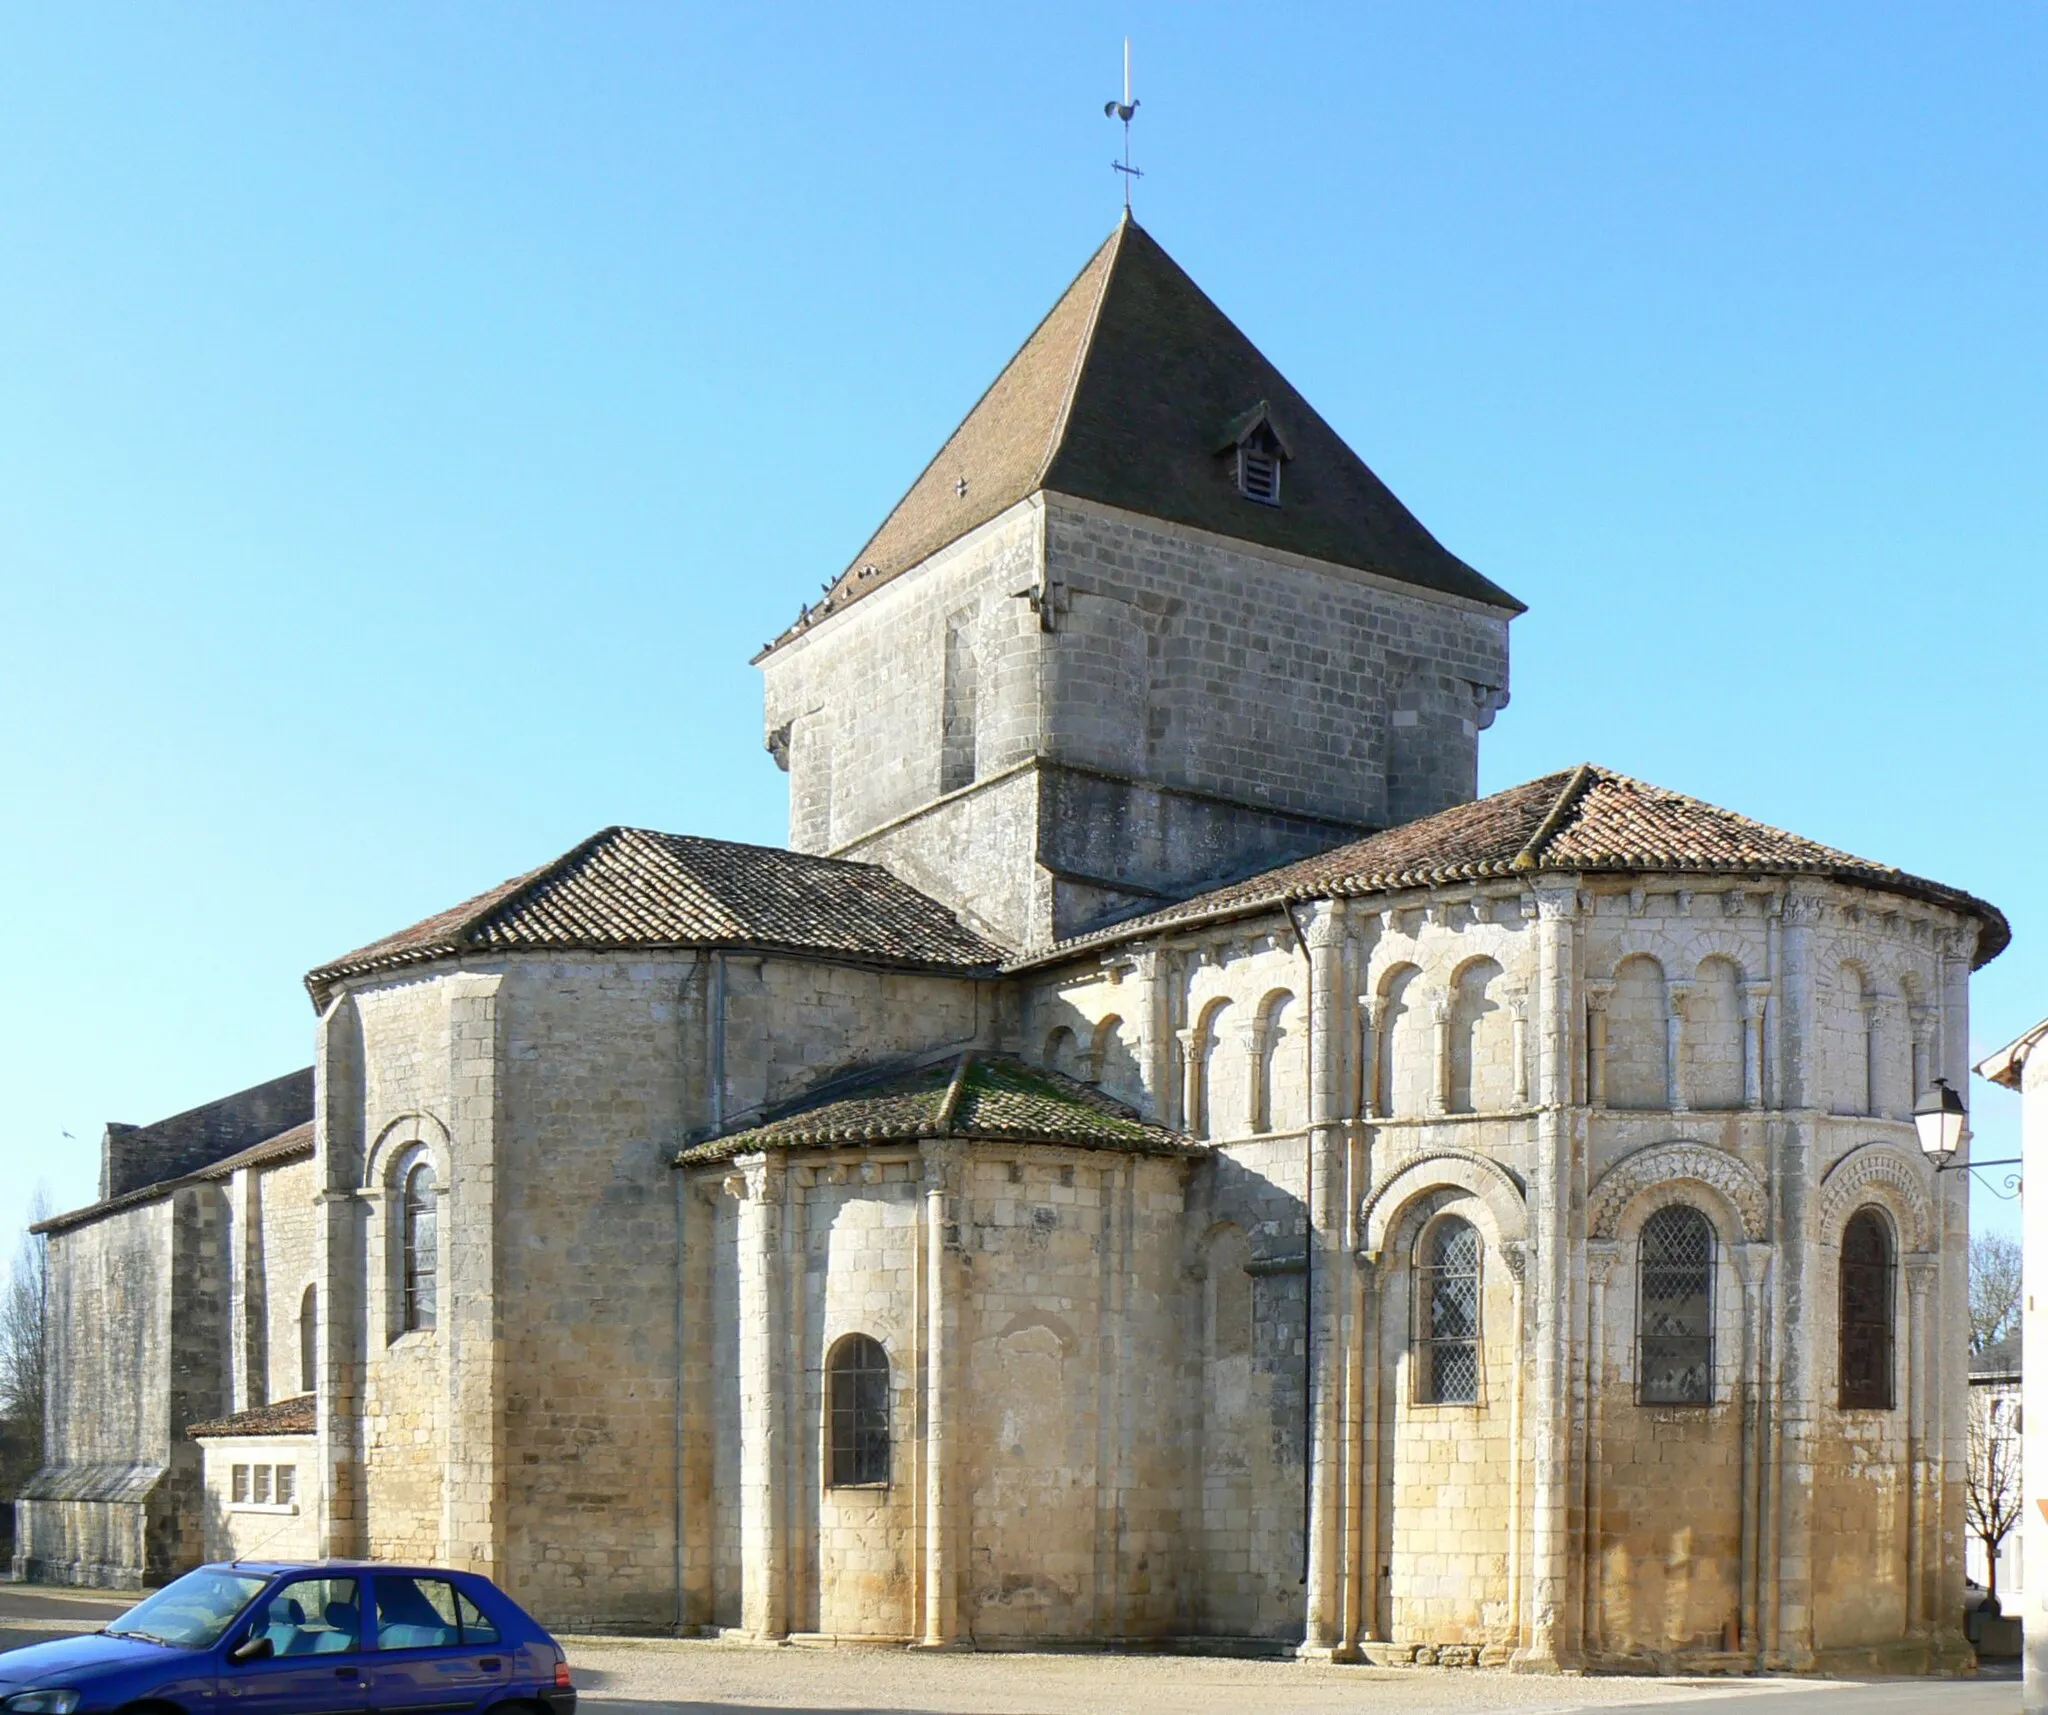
column 630, row 1677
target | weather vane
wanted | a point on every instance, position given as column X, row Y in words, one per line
column 1123, row 110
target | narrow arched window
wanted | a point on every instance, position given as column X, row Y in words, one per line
column 1867, row 1307
column 309, row 1339
column 1447, row 1322
column 1675, row 1309
column 860, row 1412
column 420, row 1247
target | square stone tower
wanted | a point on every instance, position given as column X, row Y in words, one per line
column 1146, row 624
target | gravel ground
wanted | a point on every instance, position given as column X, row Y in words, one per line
column 728, row 1679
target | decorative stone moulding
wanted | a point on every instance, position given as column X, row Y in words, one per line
column 1850, row 1181
column 1666, row 1163
column 1497, row 1188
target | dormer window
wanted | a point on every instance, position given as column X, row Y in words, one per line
column 1258, row 475
column 1260, row 449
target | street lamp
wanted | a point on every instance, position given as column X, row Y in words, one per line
column 1939, row 1117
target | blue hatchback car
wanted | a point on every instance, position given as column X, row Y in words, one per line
column 331, row 1637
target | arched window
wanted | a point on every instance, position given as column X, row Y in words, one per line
column 1447, row 1319
column 1059, row 1051
column 309, row 1338
column 1482, row 1042
column 1675, row 1309
column 1281, row 1097
column 1638, row 1036
column 1713, row 1037
column 1867, row 1308
column 860, row 1412
column 421, row 1251
column 1405, row 1070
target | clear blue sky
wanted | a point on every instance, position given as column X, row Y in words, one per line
column 415, row 416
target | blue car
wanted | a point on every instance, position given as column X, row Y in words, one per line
column 329, row 1637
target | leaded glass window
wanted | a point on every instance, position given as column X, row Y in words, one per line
column 421, row 1247
column 1447, row 1330
column 1675, row 1315
column 860, row 1412
column 1867, row 1311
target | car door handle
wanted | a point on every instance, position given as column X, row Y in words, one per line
column 344, row 1673
column 490, row 1664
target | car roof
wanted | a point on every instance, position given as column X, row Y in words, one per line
column 271, row 1568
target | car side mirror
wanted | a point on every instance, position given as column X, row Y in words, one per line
column 256, row 1647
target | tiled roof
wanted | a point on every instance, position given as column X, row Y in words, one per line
column 633, row 888
column 978, row 1096
column 1124, row 395
column 292, row 1416
column 290, row 1145
column 1586, row 819
column 271, row 1152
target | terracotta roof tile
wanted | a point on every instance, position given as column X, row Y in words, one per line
column 976, row 1096
column 292, row 1416
column 1586, row 819
column 633, row 888
column 1123, row 395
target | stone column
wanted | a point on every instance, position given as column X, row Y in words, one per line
column 1518, row 1016
column 1253, row 1040
column 1751, row 1260
column 342, row 1271
column 1440, row 1089
column 764, row 1422
column 1322, row 1632
column 1674, row 1045
column 1190, row 1080
column 1755, row 999
column 1368, row 1061
column 942, row 1326
column 1598, row 994
column 1920, row 1278
column 1551, row 1641
column 1601, row 1256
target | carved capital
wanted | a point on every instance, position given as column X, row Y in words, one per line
column 1515, row 1254
column 1598, row 994
column 1680, row 994
column 1921, row 1270
column 1601, row 1256
column 1755, row 997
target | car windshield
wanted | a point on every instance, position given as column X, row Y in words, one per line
column 193, row 1612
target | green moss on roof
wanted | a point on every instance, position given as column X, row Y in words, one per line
column 995, row 1098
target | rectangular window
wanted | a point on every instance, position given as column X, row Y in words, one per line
column 261, row 1495
column 475, row 1628
column 416, row 1613
column 238, row 1486
column 287, row 1484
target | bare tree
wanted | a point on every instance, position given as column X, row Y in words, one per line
column 1994, row 1289
column 1992, row 1484
column 24, row 1334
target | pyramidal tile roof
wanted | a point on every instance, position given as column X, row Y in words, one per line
column 988, row 1097
column 1125, row 394
column 1585, row 819
column 631, row 888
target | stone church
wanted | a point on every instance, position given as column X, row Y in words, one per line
column 1157, row 1158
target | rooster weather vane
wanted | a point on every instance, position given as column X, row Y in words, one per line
column 1123, row 110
